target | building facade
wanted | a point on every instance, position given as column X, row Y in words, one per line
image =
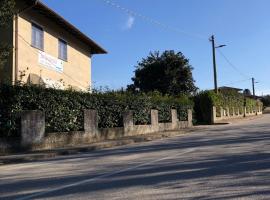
column 47, row 50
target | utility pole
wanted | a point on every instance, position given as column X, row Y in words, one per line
column 253, row 86
column 212, row 39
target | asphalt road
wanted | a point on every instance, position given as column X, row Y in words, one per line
column 222, row 162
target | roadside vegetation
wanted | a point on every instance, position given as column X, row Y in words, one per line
column 64, row 109
column 173, row 88
column 162, row 81
column 205, row 100
column 266, row 100
column 6, row 15
column 168, row 72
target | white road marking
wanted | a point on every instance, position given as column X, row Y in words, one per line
column 102, row 176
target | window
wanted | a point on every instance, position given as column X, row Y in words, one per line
column 62, row 50
column 37, row 37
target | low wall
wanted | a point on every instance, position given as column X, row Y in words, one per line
column 225, row 113
column 34, row 137
column 9, row 145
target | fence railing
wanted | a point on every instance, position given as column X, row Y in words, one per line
column 220, row 113
column 33, row 128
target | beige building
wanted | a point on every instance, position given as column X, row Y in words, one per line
column 47, row 49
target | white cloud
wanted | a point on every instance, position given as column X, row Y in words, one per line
column 130, row 22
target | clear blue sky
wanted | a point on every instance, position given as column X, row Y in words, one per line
column 243, row 25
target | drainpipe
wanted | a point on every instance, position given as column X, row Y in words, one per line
column 17, row 38
column 16, row 48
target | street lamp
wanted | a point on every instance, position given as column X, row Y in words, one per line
column 214, row 47
column 220, row 46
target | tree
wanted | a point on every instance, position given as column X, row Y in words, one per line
column 6, row 14
column 6, row 11
column 247, row 92
column 266, row 100
column 169, row 73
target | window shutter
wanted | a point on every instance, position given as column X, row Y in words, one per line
column 62, row 49
column 37, row 37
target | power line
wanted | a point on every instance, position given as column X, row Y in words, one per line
column 170, row 28
column 240, row 81
column 164, row 26
column 153, row 21
column 236, row 69
column 231, row 64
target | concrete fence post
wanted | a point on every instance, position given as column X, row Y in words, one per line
column 258, row 110
column 233, row 111
column 190, row 123
column 228, row 112
column 154, row 120
column 128, row 121
column 174, row 118
column 214, row 114
column 221, row 113
column 91, row 121
column 245, row 111
column 32, row 127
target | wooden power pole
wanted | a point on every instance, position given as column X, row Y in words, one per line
column 253, row 86
column 212, row 39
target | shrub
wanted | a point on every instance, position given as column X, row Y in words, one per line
column 266, row 100
column 64, row 109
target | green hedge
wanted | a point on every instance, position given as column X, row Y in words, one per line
column 232, row 99
column 64, row 109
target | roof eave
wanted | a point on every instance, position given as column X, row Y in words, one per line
column 94, row 47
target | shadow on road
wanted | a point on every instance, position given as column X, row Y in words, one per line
column 240, row 165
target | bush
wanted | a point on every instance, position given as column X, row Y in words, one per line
column 202, row 106
column 64, row 109
column 266, row 100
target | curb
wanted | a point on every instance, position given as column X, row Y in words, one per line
column 50, row 154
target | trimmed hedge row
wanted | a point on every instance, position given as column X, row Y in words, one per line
column 64, row 109
column 232, row 99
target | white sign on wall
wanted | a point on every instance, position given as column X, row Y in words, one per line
column 50, row 83
column 50, row 62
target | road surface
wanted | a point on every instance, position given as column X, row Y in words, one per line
column 222, row 162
